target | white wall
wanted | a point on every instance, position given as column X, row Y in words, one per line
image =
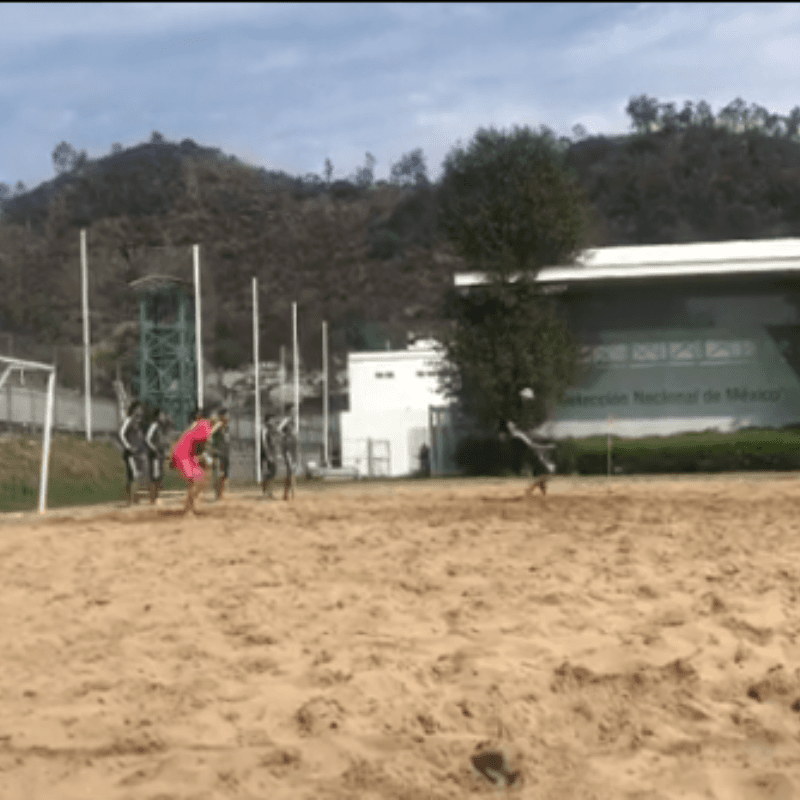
column 390, row 392
column 404, row 429
column 394, row 379
column 638, row 428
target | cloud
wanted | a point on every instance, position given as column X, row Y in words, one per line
column 292, row 84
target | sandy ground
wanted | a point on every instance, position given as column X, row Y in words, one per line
column 623, row 639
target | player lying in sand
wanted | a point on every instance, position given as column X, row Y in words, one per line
column 187, row 463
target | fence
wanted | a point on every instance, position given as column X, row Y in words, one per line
column 370, row 458
column 447, row 430
column 24, row 406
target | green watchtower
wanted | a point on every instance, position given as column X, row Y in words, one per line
column 167, row 368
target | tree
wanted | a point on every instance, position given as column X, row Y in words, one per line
column 643, row 111
column 510, row 208
column 505, row 338
column 507, row 203
column 328, row 171
column 735, row 115
column 366, row 174
column 116, row 148
column 157, row 138
column 579, row 132
column 410, row 169
column 668, row 117
column 703, row 115
column 792, row 122
column 5, row 192
column 64, row 156
column 20, row 188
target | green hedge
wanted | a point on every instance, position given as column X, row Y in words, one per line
column 691, row 452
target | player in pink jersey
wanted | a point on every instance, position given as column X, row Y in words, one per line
column 185, row 460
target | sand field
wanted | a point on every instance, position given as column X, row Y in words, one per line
column 616, row 639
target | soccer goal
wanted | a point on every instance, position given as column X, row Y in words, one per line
column 8, row 365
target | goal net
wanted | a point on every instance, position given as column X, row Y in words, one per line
column 7, row 366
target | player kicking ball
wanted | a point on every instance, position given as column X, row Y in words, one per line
column 187, row 463
column 538, row 448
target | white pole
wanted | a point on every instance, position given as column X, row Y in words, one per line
column 257, row 425
column 48, row 424
column 325, row 393
column 282, row 379
column 198, row 332
column 296, row 364
column 87, row 375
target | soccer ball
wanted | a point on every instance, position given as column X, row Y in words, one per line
column 527, row 394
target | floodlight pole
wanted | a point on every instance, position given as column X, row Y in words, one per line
column 87, row 375
column 198, row 332
column 296, row 365
column 282, row 379
column 48, row 424
column 257, row 388
column 325, row 393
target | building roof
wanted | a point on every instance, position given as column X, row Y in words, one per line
column 150, row 282
column 394, row 355
column 772, row 256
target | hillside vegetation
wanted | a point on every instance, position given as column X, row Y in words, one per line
column 367, row 256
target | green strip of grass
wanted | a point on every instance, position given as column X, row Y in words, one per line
column 80, row 473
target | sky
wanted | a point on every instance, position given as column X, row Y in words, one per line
column 285, row 86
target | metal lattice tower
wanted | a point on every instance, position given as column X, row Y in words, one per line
column 167, row 368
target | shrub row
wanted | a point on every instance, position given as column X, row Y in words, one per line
column 693, row 452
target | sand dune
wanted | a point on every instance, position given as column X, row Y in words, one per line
column 627, row 640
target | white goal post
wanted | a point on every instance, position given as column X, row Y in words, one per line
column 7, row 365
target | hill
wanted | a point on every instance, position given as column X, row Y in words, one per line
column 366, row 256
column 332, row 248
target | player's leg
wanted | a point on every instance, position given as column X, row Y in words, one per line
column 194, row 476
column 223, row 464
column 131, row 477
column 268, row 471
column 538, row 475
column 216, row 470
column 155, row 466
column 288, row 484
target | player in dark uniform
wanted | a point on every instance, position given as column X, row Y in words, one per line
column 156, row 442
column 536, row 447
column 133, row 449
column 269, row 454
column 287, row 446
column 221, row 453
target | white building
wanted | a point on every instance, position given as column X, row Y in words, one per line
column 390, row 394
column 679, row 337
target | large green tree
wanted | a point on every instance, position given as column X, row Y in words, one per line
column 507, row 337
column 510, row 208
